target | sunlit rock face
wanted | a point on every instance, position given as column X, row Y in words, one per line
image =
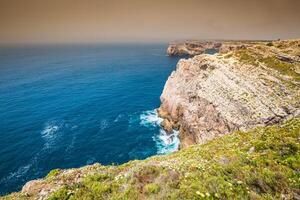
column 212, row 95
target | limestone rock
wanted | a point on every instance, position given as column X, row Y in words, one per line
column 191, row 48
column 213, row 95
column 167, row 125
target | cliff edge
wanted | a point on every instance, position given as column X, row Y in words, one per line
column 194, row 47
column 256, row 84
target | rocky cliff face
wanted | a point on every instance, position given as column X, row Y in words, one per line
column 256, row 84
column 192, row 48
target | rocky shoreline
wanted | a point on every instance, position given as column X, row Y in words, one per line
column 246, row 85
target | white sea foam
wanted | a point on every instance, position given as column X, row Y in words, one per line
column 22, row 171
column 120, row 116
column 49, row 131
column 17, row 174
column 50, row 134
column 104, row 124
column 150, row 119
column 165, row 142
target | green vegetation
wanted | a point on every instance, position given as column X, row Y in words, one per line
column 260, row 164
column 152, row 188
column 245, row 56
column 283, row 67
column 260, row 56
column 61, row 194
column 53, row 173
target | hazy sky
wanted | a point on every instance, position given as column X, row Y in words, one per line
column 146, row 20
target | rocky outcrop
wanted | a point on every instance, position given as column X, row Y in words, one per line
column 248, row 86
column 191, row 48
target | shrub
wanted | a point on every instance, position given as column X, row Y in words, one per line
column 152, row 188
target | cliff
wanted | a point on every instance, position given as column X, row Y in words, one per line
column 254, row 84
column 260, row 164
column 244, row 90
column 194, row 47
column 191, row 48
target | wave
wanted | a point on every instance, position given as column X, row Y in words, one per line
column 150, row 118
column 165, row 142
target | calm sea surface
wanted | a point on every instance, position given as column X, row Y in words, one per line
column 73, row 105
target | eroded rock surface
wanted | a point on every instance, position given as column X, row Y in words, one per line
column 248, row 86
column 191, row 48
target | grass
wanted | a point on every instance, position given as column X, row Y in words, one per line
column 61, row 194
column 249, row 56
column 246, row 57
column 283, row 67
column 53, row 173
column 152, row 188
column 263, row 163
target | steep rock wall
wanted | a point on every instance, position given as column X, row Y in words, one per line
column 211, row 95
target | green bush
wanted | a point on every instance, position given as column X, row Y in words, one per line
column 53, row 173
column 152, row 188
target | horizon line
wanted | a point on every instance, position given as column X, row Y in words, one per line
column 19, row 43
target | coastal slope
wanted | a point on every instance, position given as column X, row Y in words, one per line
column 256, row 84
column 260, row 164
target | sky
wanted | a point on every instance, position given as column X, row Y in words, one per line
column 76, row 21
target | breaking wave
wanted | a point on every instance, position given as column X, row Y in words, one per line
column 150, row 119
column 165, row 142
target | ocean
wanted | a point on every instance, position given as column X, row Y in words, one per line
column 66, row 106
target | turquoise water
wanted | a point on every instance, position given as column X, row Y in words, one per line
column 64, row 106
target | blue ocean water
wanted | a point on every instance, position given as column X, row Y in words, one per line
column 64, row 106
